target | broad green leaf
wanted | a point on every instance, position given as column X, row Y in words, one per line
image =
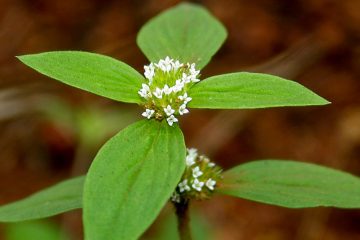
column 186, row 32
column 250, row 90
column 62, row 197
column 34, row 230
column 99, row 74
column 131, row 178
column 292, row 184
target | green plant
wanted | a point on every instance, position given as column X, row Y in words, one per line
column 136, row 172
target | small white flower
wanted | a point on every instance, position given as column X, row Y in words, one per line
column 211, row 164
column 183, row 110
column 175, row 197
column 194, row 79
column 197, row 172
column 149, row 72
column 210, row 184
column 179, row 85
column 183, row 186
column 193, row 70
column 167, row 90
column 176, row 65
column 192, row 151
column 185, row 98
column 145, row 91
column 171, row 120
column 145, row 87
column 191, row 156
column 148, row 113
column 169, row 111
column 168, row 61
column 197, row 185
column 165, row 64
column 190, row 160
column 158, row 93
column 186, row 78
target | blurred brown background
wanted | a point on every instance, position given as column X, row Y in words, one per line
column 49, row 132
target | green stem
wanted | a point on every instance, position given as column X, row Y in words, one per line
column 182, row 213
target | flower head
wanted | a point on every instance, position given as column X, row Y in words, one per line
column 200, row 177
column 165, row 93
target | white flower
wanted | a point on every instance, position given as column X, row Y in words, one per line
column 148, row 113
column 171, row 120
column 210, row 184
column 169, row 111
column 175, row 197
column 191, row 156
column 149, row 72
column 179, row 85
column 183, row 110
column 186, row 78
column 185, row 98
column 167, row 90
column 158, row 93
column 145, row 91
column 197, row 172
column 211, row 164
column 190, row 160
column 197, row 185
column 166, row 64
column 192, row 151
column 176, row 65
column 183, row 186
column 194, row 79
column 194, row 73
column 193, row 70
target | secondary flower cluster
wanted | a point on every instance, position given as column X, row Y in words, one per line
column 165, row 94
column 199, row 179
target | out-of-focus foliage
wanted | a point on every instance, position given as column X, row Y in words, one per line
column 62, row 197
column 35, row 230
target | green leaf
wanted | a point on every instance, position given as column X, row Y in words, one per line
column 250, row 90
column 186, row 32
column 131, row 179
column 91, row 72
column 34, row 230
column 292, row 184
column 62, row 197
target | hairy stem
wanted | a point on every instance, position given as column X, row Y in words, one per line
column 182, row 213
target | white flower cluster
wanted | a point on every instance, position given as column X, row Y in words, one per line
column 199, row 179
column 165, row 93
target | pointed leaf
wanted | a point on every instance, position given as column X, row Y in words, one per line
column 186, row 32
column 95, row 73
column 250, row 90
column 62, row 197
column 131, row 179
column 292, row 184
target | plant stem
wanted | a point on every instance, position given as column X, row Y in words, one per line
column 182, row 213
